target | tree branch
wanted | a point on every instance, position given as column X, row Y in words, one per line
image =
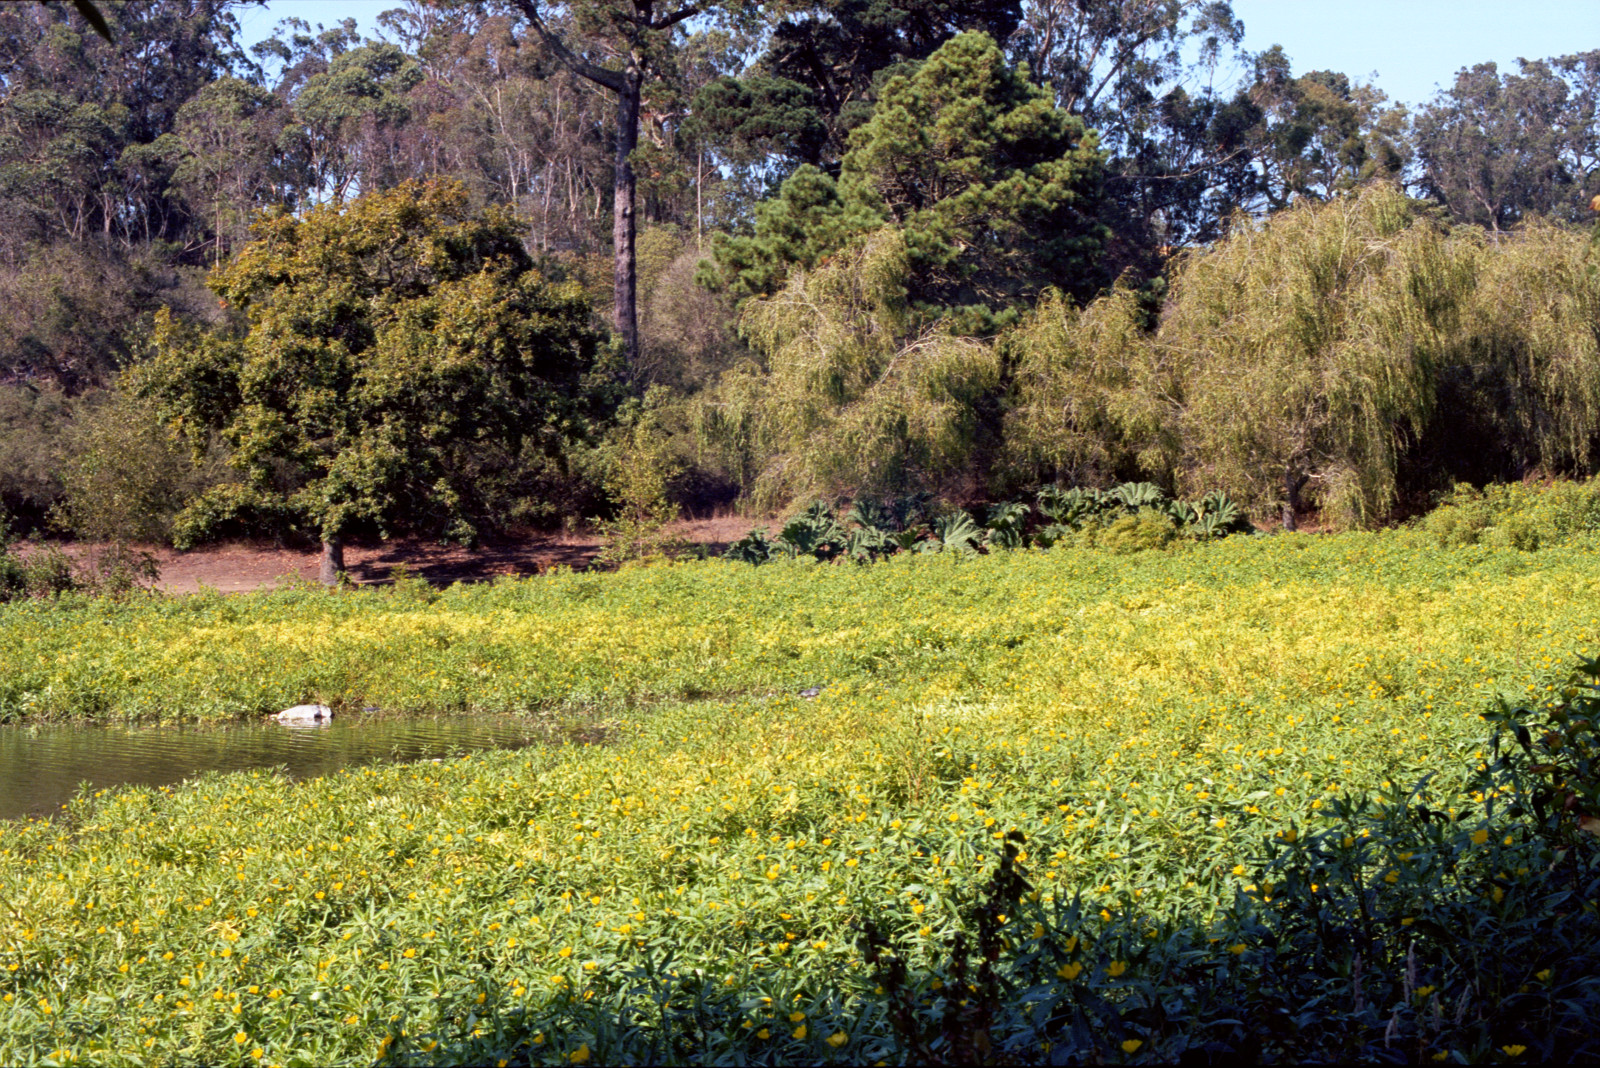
column 611, row 79
column 688, row 11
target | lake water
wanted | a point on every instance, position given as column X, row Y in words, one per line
column 41, row 767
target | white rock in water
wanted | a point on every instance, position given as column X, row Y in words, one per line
column 306, row 714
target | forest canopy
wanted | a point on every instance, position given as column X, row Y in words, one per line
column 821, row 248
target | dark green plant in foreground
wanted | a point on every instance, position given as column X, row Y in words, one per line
column 1125, row 518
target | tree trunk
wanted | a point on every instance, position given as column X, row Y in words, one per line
column 622, row 225
column 1292, row 483
column 332, row 561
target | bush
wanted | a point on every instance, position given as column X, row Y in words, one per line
column 1518, row 515
column 36, row 446
column 46, row 571
column 1149, row 529
column 131, row 479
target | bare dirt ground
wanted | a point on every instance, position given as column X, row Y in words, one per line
column 239, row 566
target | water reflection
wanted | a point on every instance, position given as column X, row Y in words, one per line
column 42, row 766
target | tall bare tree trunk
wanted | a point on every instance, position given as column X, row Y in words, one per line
column 623, row 225
column 332, row 561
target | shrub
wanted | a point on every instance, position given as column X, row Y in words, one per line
column 130, row 479
column 1517, row 515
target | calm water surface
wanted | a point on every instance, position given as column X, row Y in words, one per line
column 41, row 767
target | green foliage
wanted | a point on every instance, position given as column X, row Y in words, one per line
column 1128, row 518
column 1184, row 741
column 754, row 548
column 993, row 191
column 35, row 447
column 397, row 358
column 1498, row 148
column 638, row 469
column 45, row 572
column 1518, row 515
column 1307, row 347
column 824, row 63
column 1326, row 357
column 1145, row 529
column 129, row 480
column 854, row 399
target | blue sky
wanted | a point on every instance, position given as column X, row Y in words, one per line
column 1408, row 47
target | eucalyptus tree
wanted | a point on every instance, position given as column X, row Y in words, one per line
column 623, row 47
column 1496, row 147
column 228, row 133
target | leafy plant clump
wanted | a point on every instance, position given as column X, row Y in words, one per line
column 1381, row 928
column 1127, row 518
column 45, row 572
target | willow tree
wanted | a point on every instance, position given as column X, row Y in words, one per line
column 1304, row 351
column 1533, row 337
column 854, row 396
column 1089, row 399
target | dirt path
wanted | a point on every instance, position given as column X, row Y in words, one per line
column 238, row 566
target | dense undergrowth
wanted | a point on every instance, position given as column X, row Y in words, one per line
column 1226, row 800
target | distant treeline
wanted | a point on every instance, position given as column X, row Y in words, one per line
column 969, row 249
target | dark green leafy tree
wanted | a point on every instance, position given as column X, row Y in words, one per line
column 994, row 189
column 825, row 61
column 396, row 357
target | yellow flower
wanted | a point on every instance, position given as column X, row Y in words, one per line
column 1131, row 1045
column 579, row 1055
column 800, row 1032
column 1513, row 1051
column 1069, row 972
column 241, row 1038
column 1238, row 869
column 796, row 1017
column 1117, row 968
column 566, row 951
column 1480, row 836
column 1237, row 948
column 1544, row 976
column 763, row 1033
column 837, row 1039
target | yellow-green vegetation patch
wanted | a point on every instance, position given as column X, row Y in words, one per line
column 712, row 883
